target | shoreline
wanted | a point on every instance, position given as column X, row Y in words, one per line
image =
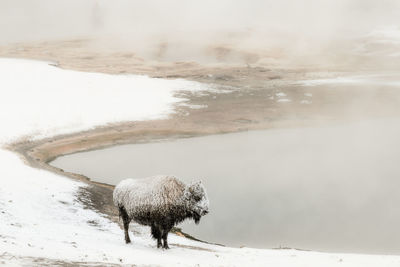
column 39, row 153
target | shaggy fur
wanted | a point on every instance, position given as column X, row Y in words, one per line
column 160, row 202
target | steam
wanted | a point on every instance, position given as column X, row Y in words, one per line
column 203, row 31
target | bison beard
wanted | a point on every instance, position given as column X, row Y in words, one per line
column 196, row 218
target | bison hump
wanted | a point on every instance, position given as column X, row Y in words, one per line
column 160, row 191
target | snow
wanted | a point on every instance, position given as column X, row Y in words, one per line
column 373, row 79
column 192, row 106
column 281, row 97
column 280, row 94
column 40, row 214
column 283, row 100
column 338, row 80
column 71, row 101
column 306, row 102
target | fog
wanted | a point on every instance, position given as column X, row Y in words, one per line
column 187, row 30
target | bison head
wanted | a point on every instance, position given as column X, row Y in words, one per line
column 197, row 201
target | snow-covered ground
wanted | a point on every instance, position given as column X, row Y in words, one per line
column 380, row 79
column 39, row 214
column 39, row 99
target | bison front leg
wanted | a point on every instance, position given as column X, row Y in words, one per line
column 125, row 218
column 165, row 239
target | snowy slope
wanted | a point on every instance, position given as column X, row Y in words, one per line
column 72, row 101
column 39, row 216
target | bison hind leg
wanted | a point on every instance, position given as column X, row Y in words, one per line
column 156, row 233
column 126, row 220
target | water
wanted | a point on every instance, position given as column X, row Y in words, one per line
column 329, row 189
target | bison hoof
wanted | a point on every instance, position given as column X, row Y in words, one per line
column 165, row 247
column 128, row 241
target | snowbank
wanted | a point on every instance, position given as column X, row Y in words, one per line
column 40, row 216
column 39, row 99
column 392, row 79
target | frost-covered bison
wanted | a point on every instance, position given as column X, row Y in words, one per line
column 160, row 202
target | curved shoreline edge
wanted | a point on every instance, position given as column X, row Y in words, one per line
column 98, row 196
